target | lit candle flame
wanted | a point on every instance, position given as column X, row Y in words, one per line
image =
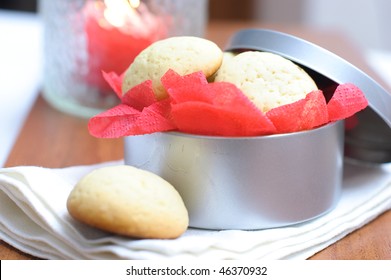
column 119, row 12
column 134, row 3
column 129, row 16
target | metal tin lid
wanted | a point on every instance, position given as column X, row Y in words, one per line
column 370, row 141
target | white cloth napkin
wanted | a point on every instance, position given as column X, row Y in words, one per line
column 34, row 219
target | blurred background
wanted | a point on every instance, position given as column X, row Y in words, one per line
column 364, row 21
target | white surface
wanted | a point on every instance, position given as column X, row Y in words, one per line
column 34, row 219
column 380, row 61
column 366, row 22
column 20, row 73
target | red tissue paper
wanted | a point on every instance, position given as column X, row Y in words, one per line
column 198, row 107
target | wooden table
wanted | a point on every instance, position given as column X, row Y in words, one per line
column 53, row 139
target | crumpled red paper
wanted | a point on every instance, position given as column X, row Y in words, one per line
column 139, row 113
column 218, row 109
column 221, row 109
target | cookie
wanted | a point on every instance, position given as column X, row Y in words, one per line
column 267, row 79
column 183, row 54
column 226, row 57
column 128, row 201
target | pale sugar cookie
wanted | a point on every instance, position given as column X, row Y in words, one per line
column 267, row 79
column 183, row 54
column 128, row 201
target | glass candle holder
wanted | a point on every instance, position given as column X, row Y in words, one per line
column 82, row 38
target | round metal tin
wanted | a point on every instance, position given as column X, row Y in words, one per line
column 247, row 182
column 371, row 140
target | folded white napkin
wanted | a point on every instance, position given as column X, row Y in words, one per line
column 34, row 219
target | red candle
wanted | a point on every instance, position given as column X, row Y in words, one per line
column 116, row 33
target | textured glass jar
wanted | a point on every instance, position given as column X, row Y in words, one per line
column 85, row 37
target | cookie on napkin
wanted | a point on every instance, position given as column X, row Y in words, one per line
column 183, row 54
column 129, row 201
column 269, row 80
